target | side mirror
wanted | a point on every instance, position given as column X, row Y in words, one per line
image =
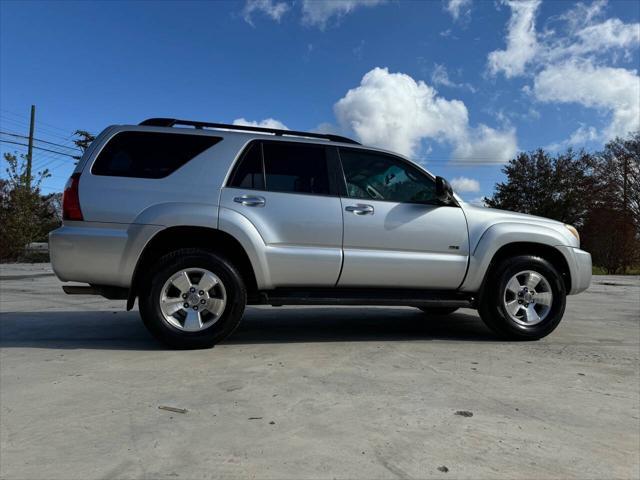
column 444, row 192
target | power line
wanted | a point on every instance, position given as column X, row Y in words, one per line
column 46, row 130
column 41, row 156
column 39, row 140
column 21, row 116
column 39, row 148
column 48, row 160
column 43, row 130
column 53, row 163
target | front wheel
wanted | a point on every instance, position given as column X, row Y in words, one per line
column 524, row 298
column 192, row 299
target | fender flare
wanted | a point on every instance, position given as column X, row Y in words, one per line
column 499, row 235
column 207, row 216
column 240, row 228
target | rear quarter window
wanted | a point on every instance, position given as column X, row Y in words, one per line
column 149, row 154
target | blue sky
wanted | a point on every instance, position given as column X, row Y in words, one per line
column 460, row 86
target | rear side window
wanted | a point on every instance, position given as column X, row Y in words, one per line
column 286, row 167
column 149, row 154
column 296, row 168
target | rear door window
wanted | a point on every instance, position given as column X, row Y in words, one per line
column 296, row 168
column 149, row 154
column 283, row 167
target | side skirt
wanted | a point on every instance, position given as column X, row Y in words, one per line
column 364, row 296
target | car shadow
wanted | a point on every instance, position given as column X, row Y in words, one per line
column 106, row 330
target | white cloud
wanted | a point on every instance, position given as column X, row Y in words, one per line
column 458, row 8
column 522, row 44
column 615, row 90
column 271, row 8
column 571, row 63
column 440, row 76
column 266, row 123
column 487, row 145
column 578, row 36
column 319, row 13
column 590, row 42
column 464, row 184
column 612, row 33
column 327, row 127
column 581, row 136
column 478, row 202
column 393, row 111
column 582, row 14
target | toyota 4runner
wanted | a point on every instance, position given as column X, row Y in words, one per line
column 196, row 220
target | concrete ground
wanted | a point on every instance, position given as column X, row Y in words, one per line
column 316, row 392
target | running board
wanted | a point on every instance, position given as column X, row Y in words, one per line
column 365, row 296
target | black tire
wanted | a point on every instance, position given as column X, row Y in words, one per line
column 494, row 313
column 164, row 268
column 438, row 310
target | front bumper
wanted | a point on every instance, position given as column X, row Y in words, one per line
column 579, row 263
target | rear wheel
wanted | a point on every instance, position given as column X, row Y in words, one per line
column 438, row 310
column 524, row 298
column 193, row 299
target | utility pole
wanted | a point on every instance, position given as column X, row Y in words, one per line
column 624, row 205
column 30, row 150
column 624, row 182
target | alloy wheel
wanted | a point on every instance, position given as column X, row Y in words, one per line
column 527, row 298
column 193, row 299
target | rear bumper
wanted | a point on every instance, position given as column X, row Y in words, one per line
column 98, row 253
column 579, row 263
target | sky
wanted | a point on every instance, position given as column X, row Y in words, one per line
column 456, row 85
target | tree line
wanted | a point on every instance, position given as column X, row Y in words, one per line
column 597, row 192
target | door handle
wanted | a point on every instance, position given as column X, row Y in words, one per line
column 360, row 209
column 250, row 201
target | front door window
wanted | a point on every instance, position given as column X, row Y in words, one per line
column 372, row 176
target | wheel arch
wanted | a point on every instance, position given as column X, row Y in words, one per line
column 544, row 251
column 511, row 239
column 175, row 237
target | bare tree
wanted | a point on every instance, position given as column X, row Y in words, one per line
column 82, row 141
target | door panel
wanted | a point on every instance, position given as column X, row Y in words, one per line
column 396, row 232
column 284, row 189
column 404, row 245
column 302, row 234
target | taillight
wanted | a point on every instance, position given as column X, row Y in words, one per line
column 71, row 199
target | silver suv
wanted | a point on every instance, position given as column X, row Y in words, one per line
column 197, row 220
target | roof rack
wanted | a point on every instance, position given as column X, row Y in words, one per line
column 171, row 122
